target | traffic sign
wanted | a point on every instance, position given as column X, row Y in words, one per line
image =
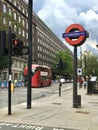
column 79, row 71
column 75, row 35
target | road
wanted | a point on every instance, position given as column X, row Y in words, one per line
column 20, row 94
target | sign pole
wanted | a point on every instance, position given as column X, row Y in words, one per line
column 75, row 35
column 75, row 78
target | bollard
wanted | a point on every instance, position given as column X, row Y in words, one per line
column 62, row 81
column 12, row 87
column 60, row 89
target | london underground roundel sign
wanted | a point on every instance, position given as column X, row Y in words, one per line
column 75, row 35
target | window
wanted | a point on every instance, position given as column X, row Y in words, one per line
column 19, row 19
column 20, row 77
column 19, row 64
column 4, row 20
column 15, row 28
column 19, row 7
column 26, row 35
column 14, row 2
column 14, row 15
column 10, row 11
column 19, row 30
column 27, row 25
column 4, row 8
column 26, row 13
column 22, row 65
column 15, row 64
column 23, row 22
column 23, row 33
column 4, row 75
column 10, row 23
column 23, row 11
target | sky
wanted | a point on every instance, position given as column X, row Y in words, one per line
column 59, row 14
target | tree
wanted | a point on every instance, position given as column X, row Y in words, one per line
column 5, row 18
column 63, row 64
column 90, row 64
column 3, row 62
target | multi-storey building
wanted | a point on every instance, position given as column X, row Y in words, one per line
column 45, row 44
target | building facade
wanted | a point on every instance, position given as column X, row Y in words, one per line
column 45, row 44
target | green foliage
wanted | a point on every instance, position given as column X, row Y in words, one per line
column 3, row 62
column 67, row 62
column 90, row 64
column 5, row 19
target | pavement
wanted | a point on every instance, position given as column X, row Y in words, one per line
column 55, row 112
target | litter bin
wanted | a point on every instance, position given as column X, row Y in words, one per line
column 92, row 85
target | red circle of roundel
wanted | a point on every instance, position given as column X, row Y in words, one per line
column 80, row 40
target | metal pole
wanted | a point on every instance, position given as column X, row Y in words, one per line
column 85, row 66
column 60, row 89
column 80, row 57
column 30, row 53
column 10, row 60
column 75, row 78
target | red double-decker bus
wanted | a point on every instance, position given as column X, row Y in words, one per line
column 41, row 75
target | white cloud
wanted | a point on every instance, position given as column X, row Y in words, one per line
column 59, row 14
column 89, row 15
